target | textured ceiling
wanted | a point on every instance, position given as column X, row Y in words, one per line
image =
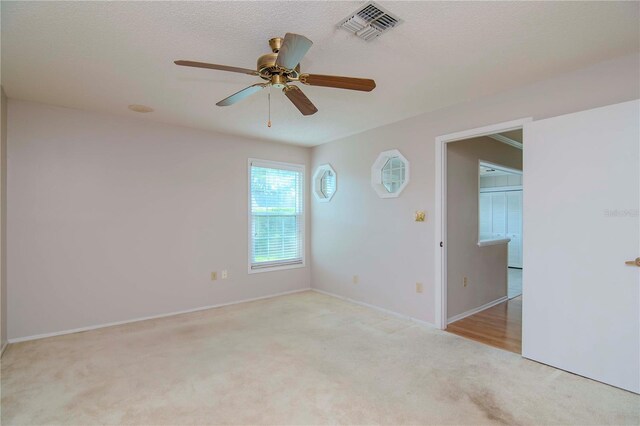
column 103, row 56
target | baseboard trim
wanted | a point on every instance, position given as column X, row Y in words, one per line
column 170, row 314
column 476, row 310
column 377, row 308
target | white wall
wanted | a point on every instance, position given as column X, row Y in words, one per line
column 485, row 267
column 359, row 233
column 113, row 218
column 3, row 218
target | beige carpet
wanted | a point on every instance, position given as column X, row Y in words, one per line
column 305, row 358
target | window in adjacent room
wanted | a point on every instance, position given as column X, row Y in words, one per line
column 500, row 208
column 276, row 204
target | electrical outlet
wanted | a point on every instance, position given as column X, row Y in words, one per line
column 419, row 288
column 225, row 274
column 355, row 279
column 464, row 281
column 214, row 276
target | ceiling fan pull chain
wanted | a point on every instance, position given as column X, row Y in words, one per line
column 269, row 98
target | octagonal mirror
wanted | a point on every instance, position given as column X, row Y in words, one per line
column 324, row 183
column 390, row 174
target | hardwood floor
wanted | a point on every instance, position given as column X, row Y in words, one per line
column 499, row 326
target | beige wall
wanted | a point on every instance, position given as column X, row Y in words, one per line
column 117, row 218
column 3, row 217
column 484, row 267
column 377, row 239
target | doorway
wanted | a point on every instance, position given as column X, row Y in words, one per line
column 500, row 214
column 479, row 214
column 581, row 312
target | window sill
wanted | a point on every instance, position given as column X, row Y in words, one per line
column 276, row 268
column 485, row 243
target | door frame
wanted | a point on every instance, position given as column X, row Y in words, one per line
column 440, row 277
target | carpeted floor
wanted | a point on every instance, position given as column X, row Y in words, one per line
column 305, row 358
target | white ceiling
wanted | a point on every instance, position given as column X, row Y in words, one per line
column 103, row 56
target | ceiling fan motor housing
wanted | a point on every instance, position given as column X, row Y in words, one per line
column 267, row 67
column 267, row 64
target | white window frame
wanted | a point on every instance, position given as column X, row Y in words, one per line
column 283, row 166
column 317, row 183
column 376, row 173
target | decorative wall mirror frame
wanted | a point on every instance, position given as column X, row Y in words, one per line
column 325, row 183
column 390, row 174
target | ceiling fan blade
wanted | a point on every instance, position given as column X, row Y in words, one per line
column 292, row 50
column 300, row 100
column 351, row 83
column 244, row 93
column 215, row 67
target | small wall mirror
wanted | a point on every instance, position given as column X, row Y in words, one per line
column 324, row 183
column 390, row 174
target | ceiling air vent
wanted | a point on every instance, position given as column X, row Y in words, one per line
column 369, row 21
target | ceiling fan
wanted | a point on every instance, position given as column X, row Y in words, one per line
column 282, row 67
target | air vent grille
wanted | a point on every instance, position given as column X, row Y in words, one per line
column 370, row 12
column 370, row 21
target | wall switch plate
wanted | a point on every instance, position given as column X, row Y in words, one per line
column 464, row 281
column 225, row 274
column 214, row 276
column 355, row 279
column 419, row 288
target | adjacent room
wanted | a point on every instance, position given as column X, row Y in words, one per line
column 484, row 234
column 309, row 212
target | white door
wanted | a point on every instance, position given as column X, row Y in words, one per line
column 580, row 299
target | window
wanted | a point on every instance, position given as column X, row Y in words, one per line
column 390, row 174
column 327, row 184
column 393, row 174
column 276, row 204
column 324, row 183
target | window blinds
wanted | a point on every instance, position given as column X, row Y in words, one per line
column 277, row 214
